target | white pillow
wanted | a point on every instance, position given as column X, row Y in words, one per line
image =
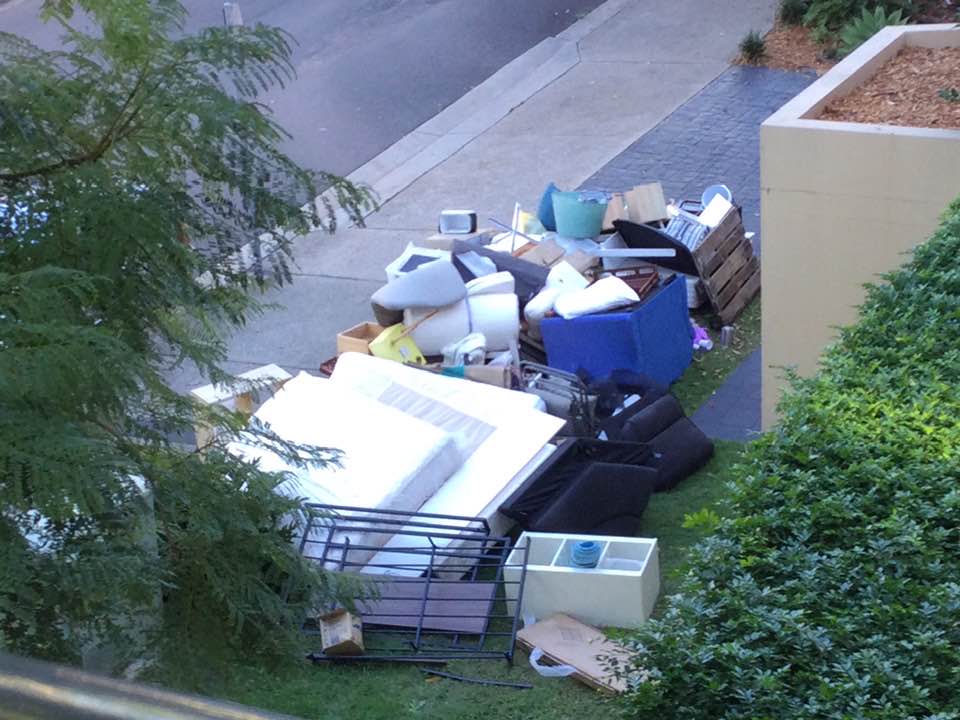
column 605, row 294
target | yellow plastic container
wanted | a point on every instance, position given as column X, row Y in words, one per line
column 394, row 344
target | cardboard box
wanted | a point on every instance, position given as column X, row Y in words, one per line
column 548, row 254
column 640, row 204
column 341, row 633
column 616, row 210
column 646, row 203
column 565, row 641
column 358, row 338
column 581, row 262
column 544, row 254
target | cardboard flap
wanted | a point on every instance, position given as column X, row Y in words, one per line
column 646, row 203
column 566, row 641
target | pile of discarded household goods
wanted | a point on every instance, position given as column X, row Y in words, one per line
column 513, row 380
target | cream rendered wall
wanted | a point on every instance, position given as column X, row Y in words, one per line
column 842, row 203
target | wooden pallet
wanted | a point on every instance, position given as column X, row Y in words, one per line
column 728, row 268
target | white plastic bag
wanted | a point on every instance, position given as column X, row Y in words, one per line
column 556, row 671
column 549, row 670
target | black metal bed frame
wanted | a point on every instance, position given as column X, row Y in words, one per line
column 582, row 421
column 466, row 574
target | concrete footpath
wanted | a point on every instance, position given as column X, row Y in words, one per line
column 559, row 113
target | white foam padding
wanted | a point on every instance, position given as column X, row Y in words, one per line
column 538, row 307
column 497, row 316
column 497, row 283
column 564, row 275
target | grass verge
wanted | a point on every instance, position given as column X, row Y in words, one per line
column 663, row 518
column 389, row 692
column 710, row 369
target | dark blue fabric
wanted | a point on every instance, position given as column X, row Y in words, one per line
column 654, row 338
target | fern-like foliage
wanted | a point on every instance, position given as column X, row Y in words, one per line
column 858, row 31
column 134, row 164
column 829, row 16
column 791, row 12
column 753, row 47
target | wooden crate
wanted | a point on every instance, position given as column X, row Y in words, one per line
column 358, row 338
column 728, row 268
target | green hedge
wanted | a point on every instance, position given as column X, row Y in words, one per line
column 831, row 588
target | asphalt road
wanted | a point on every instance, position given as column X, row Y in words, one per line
column 370, row 71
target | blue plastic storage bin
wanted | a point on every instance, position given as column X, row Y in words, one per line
column 654, row 338
column 579, row 214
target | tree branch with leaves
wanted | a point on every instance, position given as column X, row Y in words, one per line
column 134, row 164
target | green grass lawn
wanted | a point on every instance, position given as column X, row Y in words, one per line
column 663, row 518
column 709, row 369
column 385, row 691
column 388, row 691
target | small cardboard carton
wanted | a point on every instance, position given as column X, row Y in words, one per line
column 548, row 254
column 640, row 204
column 358, row 338
column 646, row 203
column 616, row 209
column 545, row 254
column 341, row 633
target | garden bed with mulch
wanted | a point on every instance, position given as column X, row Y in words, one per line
column 909, row 90
column 791, row 47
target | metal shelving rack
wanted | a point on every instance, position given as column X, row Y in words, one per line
column 436, row 592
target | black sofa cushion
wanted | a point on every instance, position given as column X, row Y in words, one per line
column 562, row 468
column 678, row 452
column 603, row 499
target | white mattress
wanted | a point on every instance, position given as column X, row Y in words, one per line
column 372, row 376
column 390, row 459
column 515, row 443
column 499, row 524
